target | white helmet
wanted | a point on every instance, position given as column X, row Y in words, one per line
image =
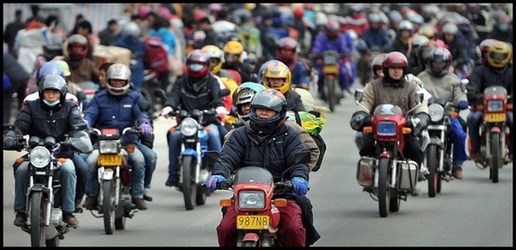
column 118, row 71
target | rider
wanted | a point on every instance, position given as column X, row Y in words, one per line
column 442, row 83
column 47, row 116
column 276, row 75
column 196, row 90
column 117, row 106
column 287, row 52
column 393, row 88
column 266, row 141
column 377, row 65
column 84, row 70
column 332, row 39
column 496, row 72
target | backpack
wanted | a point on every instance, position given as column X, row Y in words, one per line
column 156, row 56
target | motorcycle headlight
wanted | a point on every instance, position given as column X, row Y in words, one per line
column 386, row 128
column 436, row 112
column 189, row 127
column 39, row 157
column 251, row 199
column 493, row 106
column 108, row 147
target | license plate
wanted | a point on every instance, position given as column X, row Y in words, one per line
column 252, row 222
column 330, row 69
column 494, row 117
column 110, row 160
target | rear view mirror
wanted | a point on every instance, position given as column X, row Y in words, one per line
column 359, row 94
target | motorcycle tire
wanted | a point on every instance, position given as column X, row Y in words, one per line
column 108, row 205
column 432, row 165
column 54, row 242
column 496, row 158
column 329, row 87
column 38, row 210
column 189, row 188
column 383, row 187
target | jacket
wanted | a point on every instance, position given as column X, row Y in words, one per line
column 189, row 95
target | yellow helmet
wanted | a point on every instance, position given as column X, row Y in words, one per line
column 499, row 54
column 214, row 52
column 277, row 69
column 233, row 47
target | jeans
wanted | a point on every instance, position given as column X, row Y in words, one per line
column 458, row 138
column 174, row 148
column 474, row 121
column 81, row 169
column 68, row 184
column 150, row 163
column 412, row 149
column 345, row 78
column 135, row 159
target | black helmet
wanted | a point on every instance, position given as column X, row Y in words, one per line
column 439, row 62
column 53, row 82
column 268, row 99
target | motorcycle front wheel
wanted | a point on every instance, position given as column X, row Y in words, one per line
column 383, row 187
column 431, row 164
column 108, row 205
column 496, row 159
column 188, row 185
column 329, row 87
column 38, row 210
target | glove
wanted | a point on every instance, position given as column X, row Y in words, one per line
column 212, row 181
column 300, row 185
column 166, row 111
column 462, row 105
column 359, row 119
column 146, row 128
column 221, row 111
column 11, row 143
column 419, row 123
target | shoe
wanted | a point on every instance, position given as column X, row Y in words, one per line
column 140, row 204
column 457, row 173
column 90, row 203
column 70, row 220
column 423, row 173
column 20, row 220
column 147, row 197
column 474, row 156
column 172, row 182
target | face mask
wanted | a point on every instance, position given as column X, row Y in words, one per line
column 53, row 104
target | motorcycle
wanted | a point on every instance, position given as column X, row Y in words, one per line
column 494, row 131
column 152, row 82
column 437, row 146
column 45, row 217
column 388, row 177
column 332, row 92
column 256, row 199
column 115, row 178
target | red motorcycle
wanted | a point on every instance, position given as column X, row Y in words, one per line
column 494, row 131
column 388, row 177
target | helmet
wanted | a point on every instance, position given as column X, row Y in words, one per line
column 419, row 40
column 64, row 66
column 244, row 94
column 416, row 18
column 484, row 47
column 374, row 17
column 131, row 29
column 499, row 54
column 118, row 71
column 406, row 25
column 277, row 69
column 49, row 68
column 286, row 43
column 268, row 99
column 427, row 30
column 332, row 28
column 439, row 62
column 197, row 64
column 233, row 47
column 214, row 52
column 377, row 62
column 298, row 12
column 80, row 43
column 394, row 59
column 450, row 28
column 53, row 82
column 424, row 52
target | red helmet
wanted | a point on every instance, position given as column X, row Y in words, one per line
column 298, row 13
column 77, row 46
column 395, row 59
column 197, row 64
column 286, row 43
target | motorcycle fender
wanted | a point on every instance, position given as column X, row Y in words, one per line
column 436, row 141
column 253, row 237
column 495, row 129
column 108, row 174
column 189, row 152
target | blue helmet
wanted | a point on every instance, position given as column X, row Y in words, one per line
column 49, row 68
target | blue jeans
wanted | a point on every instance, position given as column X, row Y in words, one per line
column 150, row 163
column 135, row 159
column 174, row 148
column 458, row 138
column 474, row 121
column 81, row 169
column 68, row 184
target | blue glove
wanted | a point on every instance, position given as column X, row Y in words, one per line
column 462, row 105
column 146, row 129
column 212, row 181
column 300, row 185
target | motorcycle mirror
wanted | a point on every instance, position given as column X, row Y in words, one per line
column 359, row 94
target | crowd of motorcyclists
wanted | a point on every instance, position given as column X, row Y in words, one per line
column 261, row 53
